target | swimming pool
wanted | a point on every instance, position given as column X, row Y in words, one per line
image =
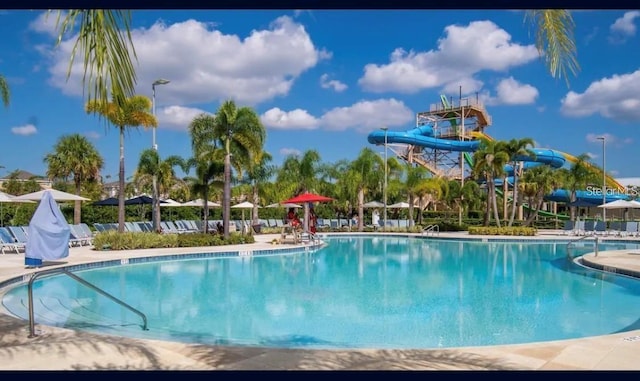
column 357, row 292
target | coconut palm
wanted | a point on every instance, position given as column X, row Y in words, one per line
column 209, row 174
column 5, row 95
column 370, row 169
column 151, row 166
column 488, row 164
column 555, row 40
column 74, row 157
column 242, row 135
column 301, row 172
column 538, row 182
column 256, row 175
column 516, row 148
column 415, row 175
column 578, row 176
column 105, row 44
column 133, row 112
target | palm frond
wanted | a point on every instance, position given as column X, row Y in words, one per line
column 555, row 40
column 5, row 95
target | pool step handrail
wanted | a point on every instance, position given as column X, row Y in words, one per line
column 73, row 276
column 431, row 229
column 596, row 239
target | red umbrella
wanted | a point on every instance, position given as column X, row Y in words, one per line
column 306, row 198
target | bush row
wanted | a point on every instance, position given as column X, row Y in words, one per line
column 112, row 240
column 505, row 230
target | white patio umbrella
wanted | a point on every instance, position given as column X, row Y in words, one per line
column 170, row 204
column 7, row 198
column 621, row 204
column 398, row 205
column 285, row 205
column 200, row 202
column 57, row 195
column 244, row 205
column 373, row 204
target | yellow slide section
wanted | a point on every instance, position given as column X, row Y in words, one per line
column 611, row 182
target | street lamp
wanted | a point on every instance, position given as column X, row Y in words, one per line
column 384, row 189
column 156, row 203
column 604, row 179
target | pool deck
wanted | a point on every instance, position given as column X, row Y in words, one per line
column 62, row 349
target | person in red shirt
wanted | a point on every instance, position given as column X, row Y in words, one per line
column 292, row 218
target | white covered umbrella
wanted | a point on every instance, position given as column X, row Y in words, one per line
column 621, row 204
column 373, row 204
column 200, row 203
column 285, row 205
column 244, row 205
column 399, row 205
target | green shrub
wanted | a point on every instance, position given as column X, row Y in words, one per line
column 112, row 240
column 504, row 230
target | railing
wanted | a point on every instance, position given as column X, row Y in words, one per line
column 82, row 281
column 570, row 244
column 431, row 229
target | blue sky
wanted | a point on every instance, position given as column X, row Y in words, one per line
column 324, row 79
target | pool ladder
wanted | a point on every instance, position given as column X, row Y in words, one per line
column 32, row 330
column 435, row 229
column 570, row 244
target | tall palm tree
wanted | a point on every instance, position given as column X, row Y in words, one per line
column 415, row 175
column 5, row 94
column 242, row 134
column 209, row 174
column 538, row 182
column 555, row 40
column 104, row 41
column 488, row 164
column 370, row 168
column 302, row 171
column 516, row 148
column 256, row 175
column 74, row 156
column 133, row 112
column 149, row 166
column 578, row 177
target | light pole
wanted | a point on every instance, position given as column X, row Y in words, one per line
column 604, row 179
column 155, row 214
column 384, row 189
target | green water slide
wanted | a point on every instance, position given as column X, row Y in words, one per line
column 469, row 159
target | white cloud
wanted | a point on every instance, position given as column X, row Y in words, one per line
column 368, row 115
column 625, row 25
column 92, row 135
column 290, row 151
column 591, row 155
column 177, row 117
column 296, row 119
column 206, row 65
column 46, row 23
column 616, row 97
column 463, row 52
column 336, row 85
column 608, row 139
column 511, row 92
column 363, row 116
column 26, row 130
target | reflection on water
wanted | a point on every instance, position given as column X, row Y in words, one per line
column 384, row 292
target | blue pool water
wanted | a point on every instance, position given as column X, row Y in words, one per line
column 357, row 292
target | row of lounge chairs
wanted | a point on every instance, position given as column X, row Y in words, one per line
column 616, row 228
column 14, row 238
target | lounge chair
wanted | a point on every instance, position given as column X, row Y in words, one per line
column 7, row 241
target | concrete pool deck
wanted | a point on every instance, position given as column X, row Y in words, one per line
column 62, row 349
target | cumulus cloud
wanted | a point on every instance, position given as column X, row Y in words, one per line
column 368, row 115
column 26, row 130
column 332, row 84
column 462, row 53
column 290, row 151
column 296, row 119
column 205, row 65
column 623, row 27
column 46, row 23
column 511, row 92
column 177, row 117
column 363, row 116
column 616, row 97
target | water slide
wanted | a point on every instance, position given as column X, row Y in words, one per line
column 423, row 136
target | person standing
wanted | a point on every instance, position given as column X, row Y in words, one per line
column 375, row 219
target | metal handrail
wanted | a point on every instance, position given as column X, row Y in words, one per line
column 431, row 229
column 580, row 239
column 82, row 281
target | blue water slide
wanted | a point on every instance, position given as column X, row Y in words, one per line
column 564, row 195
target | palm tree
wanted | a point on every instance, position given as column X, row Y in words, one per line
column 578, row 177
column 74, row 156
column 538, row 182
column 149, row 166
column 5, row 95
column 258, row 174
column 242, row 134
column 105, row 44
column 209, row 174
column 301, row 172
column 369, row 167
column 134, row 112
column 516, row 148
column 555, row 40
column 415, row 175
column 488, row 164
